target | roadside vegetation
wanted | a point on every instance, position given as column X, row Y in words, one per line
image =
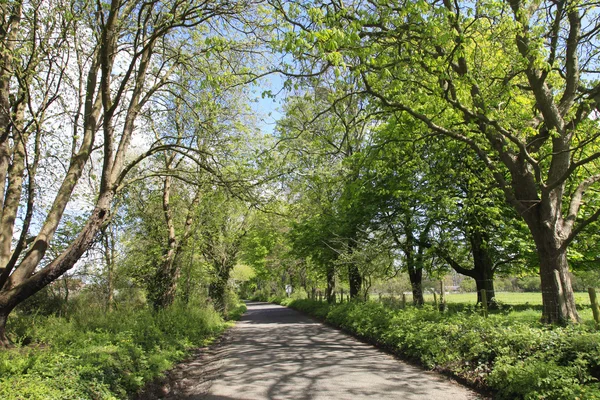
column 95, row 354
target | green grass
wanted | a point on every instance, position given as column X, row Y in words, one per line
column 509, row 298
column 523, row 306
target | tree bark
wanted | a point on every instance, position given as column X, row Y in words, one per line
column 169, row 271
column 355, row 280
column 416, row 283
column 483, row 267
column 550, row 232
column 28, row 286
column 329, row 292
column 557, row 293
column 4, row 342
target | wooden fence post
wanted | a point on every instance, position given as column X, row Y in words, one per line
column 435, row 300
column 442, row 296
column 403, row 300
column 595, row 306
column 484, row 303
column 341, row 295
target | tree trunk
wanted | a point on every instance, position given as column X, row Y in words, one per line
column 329, row 292
column 355, row 280
column 488, row 285
column 4, row 342
column 557, row 293
column 558, row 300
column 109, row 258
column 11, row 296
column 110, row 298
column 165, row 286
column 483, row 267
column 416, row 284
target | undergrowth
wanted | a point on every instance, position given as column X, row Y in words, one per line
column 514, row 359
column 101, row 355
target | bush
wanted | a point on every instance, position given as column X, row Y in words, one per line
column 517, row 360
column 98, row 355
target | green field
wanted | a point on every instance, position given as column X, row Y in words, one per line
column 519, row 306
column 510, row 298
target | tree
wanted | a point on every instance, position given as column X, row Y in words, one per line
column 472, row 211
column 320, row 139
column 223, row 223
column 513, row 80
column 124, row 53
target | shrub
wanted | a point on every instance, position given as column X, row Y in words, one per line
column 99, row 355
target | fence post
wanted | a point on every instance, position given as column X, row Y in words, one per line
column 341, row 295
column 484, row 303
column 442, row 296
column 380, row 297
column 403, row 300
column 595, row 306
column 435, row 300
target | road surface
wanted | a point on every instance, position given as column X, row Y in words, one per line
column 277, row 353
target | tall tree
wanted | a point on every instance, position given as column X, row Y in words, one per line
column 123, row 53
column 223, row 224
column 514, row 80
column 320, row 138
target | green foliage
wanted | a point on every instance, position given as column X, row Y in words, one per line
column 98, row 355
column 515, row 359
column 234, row 308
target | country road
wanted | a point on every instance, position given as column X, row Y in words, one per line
column 277, row 353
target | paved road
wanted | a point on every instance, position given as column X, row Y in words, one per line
column 277, row 353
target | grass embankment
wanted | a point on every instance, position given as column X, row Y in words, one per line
column 98, row 355
column 515, row 359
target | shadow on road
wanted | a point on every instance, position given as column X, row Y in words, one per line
column 277, row 353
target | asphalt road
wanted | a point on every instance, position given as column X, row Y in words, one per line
column 277, row 353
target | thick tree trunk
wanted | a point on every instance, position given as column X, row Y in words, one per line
column 557, row 293
column 355, row 281
column 12, row 295
column 165, row 286
column 483, row 267
column 487, row 285
column 329, row 292
column 416, row 284
column 558, row 300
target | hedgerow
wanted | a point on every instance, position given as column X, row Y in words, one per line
column 516, row 360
